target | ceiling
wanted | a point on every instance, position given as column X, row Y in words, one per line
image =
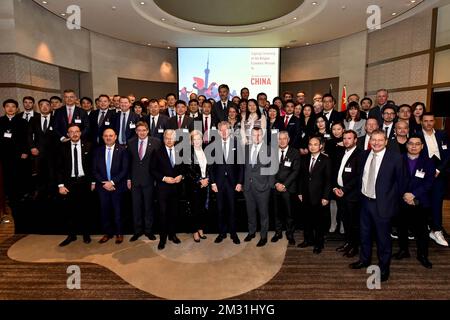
column 232, row 23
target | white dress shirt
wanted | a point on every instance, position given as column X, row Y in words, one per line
column 227, row 147
column 80, row 163
column 43, row 120
column 100, row 115
column 366, row 142
column 201, row 158
column 351, row 125
column 171, row 112
column 29, row 113
column 257, row 147
column 347, row 155
column 380, row 156
column 285, row 153
column 432, row 144
column 389, row 129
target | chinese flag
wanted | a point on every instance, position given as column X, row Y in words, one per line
column 344, row 99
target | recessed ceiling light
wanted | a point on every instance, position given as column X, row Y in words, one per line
column 168, row 48
column 263, row 28
column 308, row 43
column 63, row 14
column 288, row 47
column 44, row 2
column 343, row 7
column 413, row 1
column 142, row 3
column 295, row 18
column 394, row 13
column 315, row 3
column 194, row 28
column 163, row 19
column 228, row 31
column 149, row 44
column 114, row 7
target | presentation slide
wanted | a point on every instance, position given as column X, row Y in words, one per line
column 202, row 70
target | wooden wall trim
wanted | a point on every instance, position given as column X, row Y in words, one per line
column 413, row 88
column 29, row 87
column 434, row 23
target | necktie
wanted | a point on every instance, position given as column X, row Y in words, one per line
column 313, row 162
column 102, row 118
column 282, row 156
column 172, row 162
column 254, row 155
column 153, row 125
column 108, row 164
column 75, row 160
column 286, row 121
column 45, row 126
column 205, row 134
column 224, row 105
column 141, row 150
column 123, row 136
column 27, row 116
column 179, row 122
column 69, row 118
column 370, row 188
column 224, row 151
column 386, row 129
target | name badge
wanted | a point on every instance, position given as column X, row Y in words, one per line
column 420, row 174
column 132, row 126
column 274, row 131
column 185, row 130
column 160, row 130
column 444, row 147
column 77, row 120
column 8, row 135
column 107, row 123
column 213, row 128
column 51, row 128
column 303, row 135
column 347, row 169
column 326, row 135
column 287, row 164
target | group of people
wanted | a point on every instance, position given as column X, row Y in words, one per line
column 382, row 164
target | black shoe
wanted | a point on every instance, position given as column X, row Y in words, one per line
column 203, row 237
column 87, row 239
column 135, row 237
column 175, row 239
column 358, row 265
column 344, row 248
column 262, row 242
column 220, row 238
column 67, row 241
column 249, row 237
column 402, row 254
column 351, row 253
column 150, row 236
column 384, row 276
column 304, row 244
column 277, row 236
column 291, row 241
column 317, row 250
column 161, row 245
column 425, row 262
column 235, row 239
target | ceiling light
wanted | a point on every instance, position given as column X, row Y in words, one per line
column 394, row 13
column 315, row 3
column 228, row 31
column 63, row 14
column 44, row 2
column 142, row 3
column 149, row 44
column 288, row 47
column 168, row 48
column 114, row 7
column 295, row 18
column 307, row 43
column 263, row 28
column 413, row 1
column 163, row 19
column 194, row 28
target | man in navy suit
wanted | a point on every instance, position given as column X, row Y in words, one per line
column 329, row 112
column 181, row 121
column 436, row 148
column 416, row 201
column 381, row 100
column 68, row 114
column 382, row 184
column 206, row 122
column 389, row 115
column 157, row 122
column 100, row 119
column 125, row 122
column 110, row 171
column 220, row 109
column 292, row 126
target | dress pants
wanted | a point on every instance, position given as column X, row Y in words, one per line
column 197, row 201
column 350, row 219
column 416, row 217
column 257, row 201
column 111, row 202
column 76, row 207
column 315, row 223
column 168, row 211
column 282, row 202
column 226, row 205
column 143, row 216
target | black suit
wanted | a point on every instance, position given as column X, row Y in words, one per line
column 314, row 187
column 96, row 129
column 168, row 194
column 294, row 130
column 199, row 124
column 334, row 116
column 219, row 112
column 142, row 183
column 79, row 117
column 160, row 126
column 375, row 112
column 76, row 204
column 187, row 123
column 227, row 175
column 287, row 175
column 46, row 142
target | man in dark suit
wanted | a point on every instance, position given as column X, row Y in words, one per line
column 206, row 123
column 193, row 109
column 377, row 111
column 227, row 177
column 345, row 188
column 382, row 184
column 285, row 188
column 366, row 105
column 220, row 109
column 436, row 147
column 68, row 114
column 42, row 141
column 416, row 202
column 181, row 121
column 110, row 171
column 28, row 106
column 257, row 185
column 74, row 184
column 389, row 115
column 371, row 126
column 157, row 122
column 169, row 174
column 314, row 193
column 125, row 122
column 329, row 112
column 100, row 119
column 292, row 126
column 142, row 150
column 171, row 103
column 14, row 152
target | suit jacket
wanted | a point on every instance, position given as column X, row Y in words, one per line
column 130, row 130
column 316, row 185
column 17, row 144
column 375, row 112
column 335, row 116
column 392, row 132
column 188, row 123
column 360, row 142
column 390, row 183
column 194, row 173
column 141, row 170
column 119, row 167
column 96, row 129
column 254, row 176
column 418, row 185
column 359, row 127
column 167, row 114
column 199, row 123
column 294, row 130
column 350, row 174
column 232, row 171
column 79, row 117
column 45, row 142
column 444, row 151
column 64, row 167
column 160, row 126
column 163, row 168
column 34, row 115
column 288, row 171
column 219, row 113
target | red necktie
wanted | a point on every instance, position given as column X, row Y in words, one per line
column 70, row 116
column 179, row 122
column 286, row 121
column 141, row 150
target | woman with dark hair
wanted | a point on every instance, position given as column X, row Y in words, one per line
column 138, row 109
column 321, row 128
column 236, row 100
column 277, row 101
column 307, row 121
column 274, row 122
column 233, row 117
column 298, row 111
column 243, row 103
column 253, row 119
column 353, row 119
column 415, row 124
column 197, row 176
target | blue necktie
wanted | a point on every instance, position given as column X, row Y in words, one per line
column 123, row 136
column 108, row 164
column 172, row 162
